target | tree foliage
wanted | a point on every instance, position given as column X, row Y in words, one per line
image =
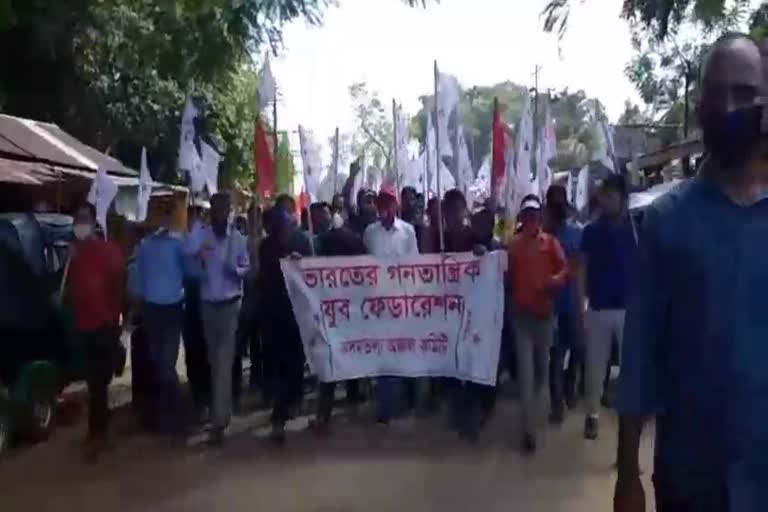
column 373, row 137
column 115, row 72
column 658, row 16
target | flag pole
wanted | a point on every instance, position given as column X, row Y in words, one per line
column 336, row 162
column 494, row 184
column 395, row 161
column 534, row 153
column 437, row 166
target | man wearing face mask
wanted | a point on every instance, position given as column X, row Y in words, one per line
column 223, row 254
column 340, row 240
column 281, row 333
column 562, row 384
column 389, row 237
column 537, row 270
column 96, row 291
column 695, row 356
column 608, row 247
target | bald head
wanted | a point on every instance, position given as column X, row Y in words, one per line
column 729, row 111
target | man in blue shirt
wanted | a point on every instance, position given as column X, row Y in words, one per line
column 160, row 271
column 562, row 383
column 695, row 354
column 223, row 254
column 607, row 248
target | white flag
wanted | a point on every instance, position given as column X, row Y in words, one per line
column 187, row 135
column 414, row 174
column 145, row 188
column 209, row 165
column 102, row 193
column 446, row 178
column 610, row 154
column 547, row 151
column 582, row 189
column 448, row 95
column 311, row 163
column 519, row 178
column 480, row 189
column 267, row 85
column 464, row 173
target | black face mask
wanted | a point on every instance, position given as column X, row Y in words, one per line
column 732, row 136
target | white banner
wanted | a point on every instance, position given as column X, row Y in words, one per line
column 423, row 315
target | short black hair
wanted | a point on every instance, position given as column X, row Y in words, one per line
column 529, row 197
column 615, row 182
column 554, row 189
column 410, row 189
column 454, row 197
column 319, row 205
column 282, row 199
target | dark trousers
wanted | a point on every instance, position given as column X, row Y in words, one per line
column 100, row 353
column 142, row 378
column 328, row 394
column 562, row 380
column 163, row 323
column 471, row 403
column 670, row 499
column 196, row 353
column 288, row 366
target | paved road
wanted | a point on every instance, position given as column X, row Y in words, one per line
column 358, row 468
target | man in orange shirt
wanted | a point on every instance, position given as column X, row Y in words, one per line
column 537, row 269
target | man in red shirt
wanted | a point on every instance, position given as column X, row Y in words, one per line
column 537, row 269
column 96, row 289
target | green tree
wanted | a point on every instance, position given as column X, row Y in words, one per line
column 659, row 16
column 115, row 73
column 373, row 137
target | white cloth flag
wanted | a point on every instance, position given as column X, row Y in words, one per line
column 431, row 158
column 187, row 136
column 481, row 187
column 448, row 95
column 414, row 173
column 311, row 163
column 145, row 188
column 210, row 167
column 402, row 165
column 102, row 193
column 547, row 151
column 446, row 178
column 610, row 153
column 464, row 173
column 582, row 189
column 267, row 85
column 570, row 188
column 524, row 144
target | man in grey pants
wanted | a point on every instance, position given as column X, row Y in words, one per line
column 223, row 253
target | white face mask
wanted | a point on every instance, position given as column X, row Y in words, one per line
column 338, row 221
column 82, row 231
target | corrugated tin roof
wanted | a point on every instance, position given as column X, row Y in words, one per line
column 29, row 138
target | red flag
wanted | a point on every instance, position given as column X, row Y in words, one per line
column 302, row 204
column 499, row 141
column 263, row 160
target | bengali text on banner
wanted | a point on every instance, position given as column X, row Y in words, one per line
column 415, row 316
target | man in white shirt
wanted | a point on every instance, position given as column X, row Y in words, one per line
column 389, row 237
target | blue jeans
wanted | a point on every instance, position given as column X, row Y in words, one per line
column 389, row 397
column 163, row 325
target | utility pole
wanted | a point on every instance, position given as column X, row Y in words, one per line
column 395, row 160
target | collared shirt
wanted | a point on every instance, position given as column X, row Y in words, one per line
column 160, row 264
column 569, row 236
column 96, row 284
column 609, row 249
column 224, row 265
column 537, row 267
column 399, row 240
column 695, row 349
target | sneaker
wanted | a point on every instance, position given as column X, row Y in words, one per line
column 591, row 428
column 529, row 444
column 277, row 436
